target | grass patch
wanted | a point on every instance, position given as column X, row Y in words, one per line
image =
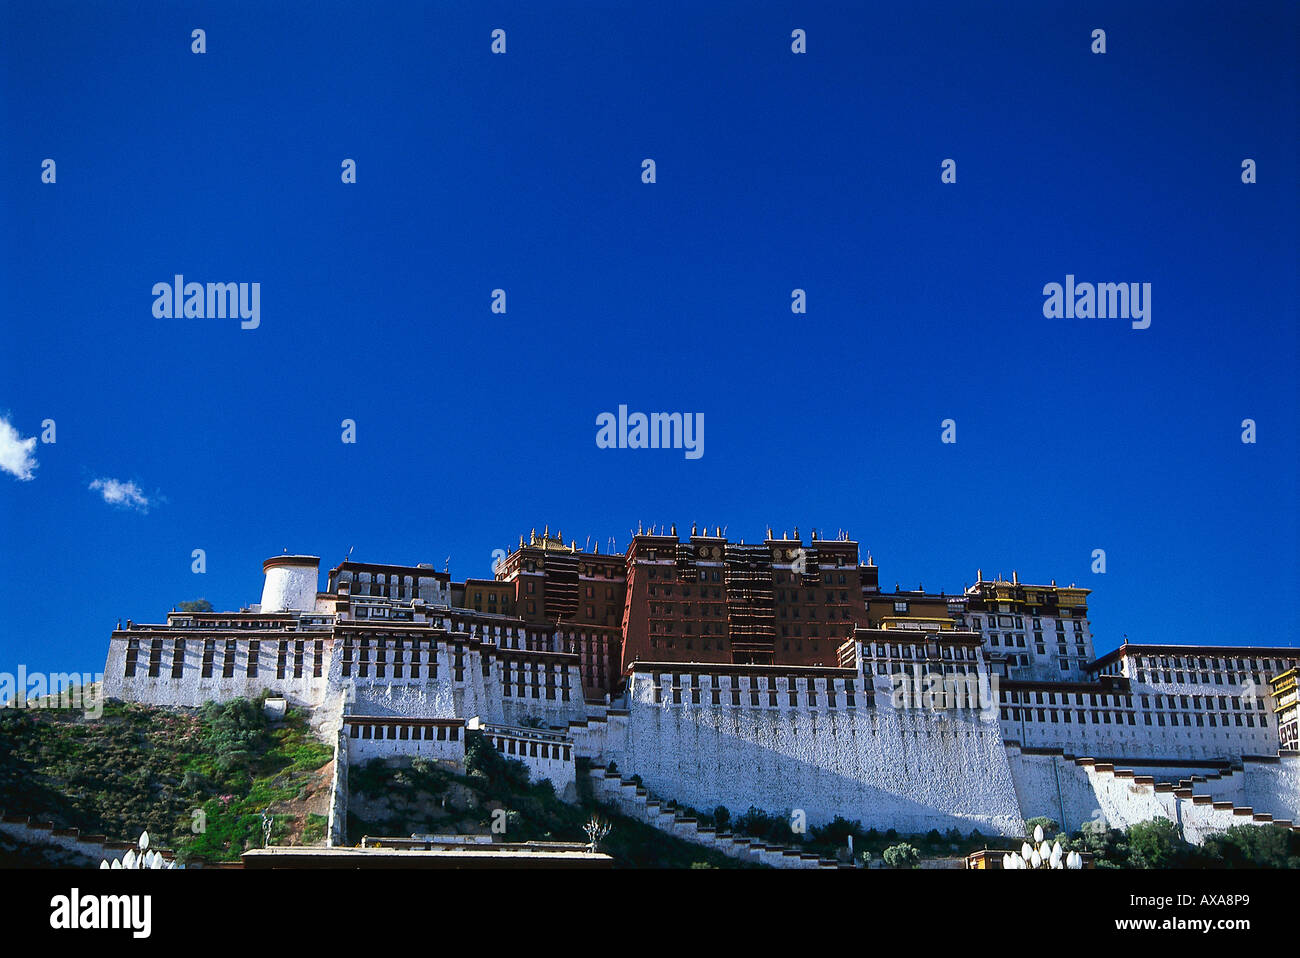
column 166, row 771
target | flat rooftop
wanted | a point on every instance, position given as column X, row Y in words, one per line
column 466, row 856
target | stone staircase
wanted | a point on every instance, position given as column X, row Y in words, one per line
column 1200, row 813
column 601, row 734
column 636, row 802
column 1218, row 785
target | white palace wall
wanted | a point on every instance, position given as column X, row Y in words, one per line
column 370, row 737
column 430, row 674
column 842, row 747
column 1073, row 792
column 910, row 769
column 1053, row 786
column 191, row 688
column 464, row 679
column 1107, row 731
column 1272, row 785
column 545, row 754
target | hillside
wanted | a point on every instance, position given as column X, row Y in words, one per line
column 400, row 798
column 197, row 780
column 217, row 768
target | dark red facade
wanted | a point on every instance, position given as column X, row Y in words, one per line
column 781, row 602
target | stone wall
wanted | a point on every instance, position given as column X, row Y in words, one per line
column 192, row 688
column 547, row 755
column 1076, row 790
column 836, row 744
column 385, row 737
column 911, row 769
column 337, row 832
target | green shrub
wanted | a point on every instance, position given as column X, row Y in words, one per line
column 902, row 855
column 1156, row 844
column 313, row 832
column 498, row 774
column 1254, row 846
column 1050, row 826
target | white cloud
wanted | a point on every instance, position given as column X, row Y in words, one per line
column 16, row 452
column 127, row 495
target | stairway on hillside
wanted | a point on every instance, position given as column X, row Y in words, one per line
column 637, row 802
column 1209, row 814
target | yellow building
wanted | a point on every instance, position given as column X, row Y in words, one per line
column 1286, row 697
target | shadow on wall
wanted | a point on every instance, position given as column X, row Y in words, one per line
column 911, row 770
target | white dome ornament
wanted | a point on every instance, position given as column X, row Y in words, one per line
column 141, row 857
column 1048, row 856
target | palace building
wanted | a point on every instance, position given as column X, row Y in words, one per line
column 1286, row 706
column 775, row 674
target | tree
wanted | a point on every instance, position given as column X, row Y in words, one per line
column 198, row 605
column 1253, row 846
column 501, row 776
column 901, row 855
column 837, row 832
column 237, row 732
column 769, row 827
column 1049, row 825
column 597, row 830
column 1105, row 844
column 1156, row 844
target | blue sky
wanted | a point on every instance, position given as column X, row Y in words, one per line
column 774, row 172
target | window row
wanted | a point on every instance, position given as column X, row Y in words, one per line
column 427, row 733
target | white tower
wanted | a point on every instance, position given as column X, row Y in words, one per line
column 290, row 583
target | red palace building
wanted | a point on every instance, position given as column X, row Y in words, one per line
column 704, row 600
column 778, row 602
